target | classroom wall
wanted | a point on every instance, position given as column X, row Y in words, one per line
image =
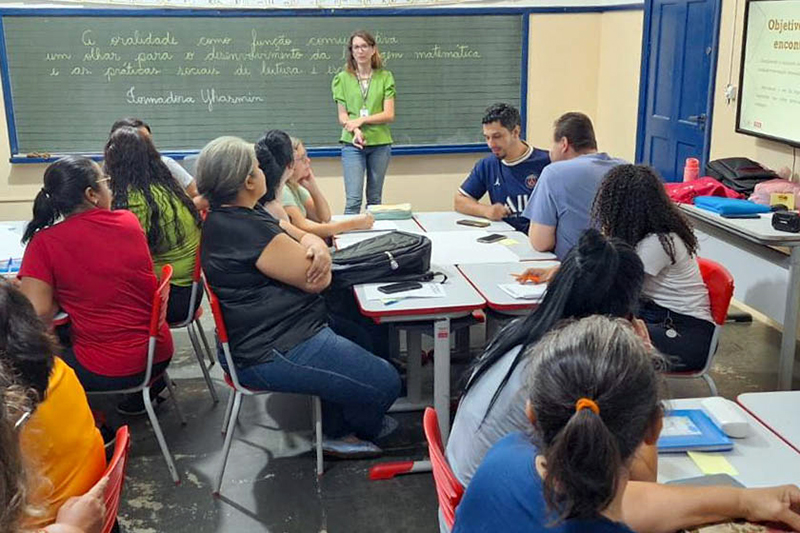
column 577, row 62
column 725, row 142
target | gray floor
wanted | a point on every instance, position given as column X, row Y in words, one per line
column 270, row 483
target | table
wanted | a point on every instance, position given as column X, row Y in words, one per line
column 762, row 459
column 778, row 411
column 10, row 246
column 446, row 221
column 487, row 277
column 757, row 238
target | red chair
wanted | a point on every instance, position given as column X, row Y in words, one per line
column 158, row 318
column 195, row 329
column 235, row 399
column 719, row 283
column 115, row 471
column 448, row 488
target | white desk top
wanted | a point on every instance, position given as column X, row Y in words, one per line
column 446, row 221
column 10, row 246
column 756, row 229
column 525, row 251
column 460, row 300
column 408, row 225
column 487, row 277
column 762, row 459
column 779, row 411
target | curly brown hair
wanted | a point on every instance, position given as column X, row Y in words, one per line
column 632, row 204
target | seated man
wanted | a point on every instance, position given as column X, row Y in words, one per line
column 560, row 206
column 508, row 175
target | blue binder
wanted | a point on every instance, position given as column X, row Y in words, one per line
column 691, row 430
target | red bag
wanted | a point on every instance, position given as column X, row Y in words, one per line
column 684, row 193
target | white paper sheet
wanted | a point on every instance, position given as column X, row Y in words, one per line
column 428, row 290
column 679, row 426
column 527, row 291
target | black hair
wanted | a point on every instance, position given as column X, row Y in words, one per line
column 274, row 153
column 604, row 361
column 25, row 346
column 65, row 184
column 578, row 130
column 507, row 115
column 131, row 122
column 631, row 204
column 134, row 164
column 598, row 276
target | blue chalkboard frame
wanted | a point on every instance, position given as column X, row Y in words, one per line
column 523, row 12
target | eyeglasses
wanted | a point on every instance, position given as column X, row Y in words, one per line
column 361, row 47
column 104, row 178
column 303, row 159
column 21, row 420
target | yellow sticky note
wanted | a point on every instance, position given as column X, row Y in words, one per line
column 508, row 242
column 712, row 463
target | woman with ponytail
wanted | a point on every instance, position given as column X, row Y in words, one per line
column 94, row 264
column 593, row 401
column 598, row 276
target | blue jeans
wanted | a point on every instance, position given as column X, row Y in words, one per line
column 355, row 161
column 356, row 387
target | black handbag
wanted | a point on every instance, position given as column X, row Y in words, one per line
column 739, row 173
column 395, row 256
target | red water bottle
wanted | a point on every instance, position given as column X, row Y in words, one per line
column 691, row 171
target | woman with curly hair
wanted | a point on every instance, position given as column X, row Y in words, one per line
column 632, row 205
column 143, row 184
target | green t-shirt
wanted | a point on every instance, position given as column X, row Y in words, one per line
column 181, row 255
column 295, row 199
column 346, row 91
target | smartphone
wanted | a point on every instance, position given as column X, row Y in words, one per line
column 494, row 237
column 400, row 287
column 473, row 223
column 742, row 215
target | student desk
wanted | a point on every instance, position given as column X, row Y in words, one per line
column 461, row 300
column 408, row 225
column 446, row 221
column 778, row 411
column 10, row 247
column 759, row 270
column 762, row 459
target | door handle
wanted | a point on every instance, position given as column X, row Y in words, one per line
column 698, row 119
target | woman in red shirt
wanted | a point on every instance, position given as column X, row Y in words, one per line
column 95, row 265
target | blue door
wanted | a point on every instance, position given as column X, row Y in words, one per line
column 679, row 55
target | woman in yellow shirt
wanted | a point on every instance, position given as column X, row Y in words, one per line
column 62, row 449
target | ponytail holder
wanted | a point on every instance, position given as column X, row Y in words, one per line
column 586, row 403
column 46, row 194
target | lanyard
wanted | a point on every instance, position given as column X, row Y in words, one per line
column 364, row 91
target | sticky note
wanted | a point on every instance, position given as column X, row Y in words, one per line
column 508, row 242
column 712, row 463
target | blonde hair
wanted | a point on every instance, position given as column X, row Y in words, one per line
column 222, row 168
column 377, row 61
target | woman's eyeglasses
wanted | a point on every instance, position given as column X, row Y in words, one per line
column 361, row 47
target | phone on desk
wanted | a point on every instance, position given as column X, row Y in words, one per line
column 742, row 215
column 401, row 286
column 494, row 237
column 473, row 223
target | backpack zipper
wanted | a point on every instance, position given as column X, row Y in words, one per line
column 392, row 262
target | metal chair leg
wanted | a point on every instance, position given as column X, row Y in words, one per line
column 228, row 409
column 148, row 405
column 200, row 359
column 209, row 353
column 171, row 390
column 710, row 382
column 226, row 447
column 317, row 408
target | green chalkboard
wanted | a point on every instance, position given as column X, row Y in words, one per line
column 194, row 78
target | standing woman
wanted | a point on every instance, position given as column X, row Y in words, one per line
column 364, row 93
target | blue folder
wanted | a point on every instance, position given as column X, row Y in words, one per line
column 729, row 206
column 691, row 430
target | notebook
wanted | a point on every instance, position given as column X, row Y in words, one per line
column 691, row 429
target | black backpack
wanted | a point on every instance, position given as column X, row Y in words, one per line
column 739, row 173
column 395, row 256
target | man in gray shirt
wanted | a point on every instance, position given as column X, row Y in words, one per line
column 560, row 205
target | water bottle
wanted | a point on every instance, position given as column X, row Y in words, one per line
column 691, row 171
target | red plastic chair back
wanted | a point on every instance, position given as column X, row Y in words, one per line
column 448, row 488
column 216, row 311
column 720, row 288
column 115, row 471
column 158, row 317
